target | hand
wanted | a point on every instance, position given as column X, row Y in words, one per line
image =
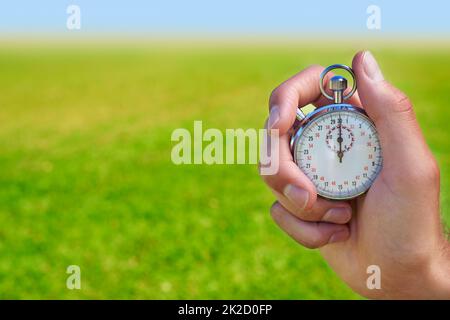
column 396, row 224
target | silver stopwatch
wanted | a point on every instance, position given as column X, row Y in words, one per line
column 337, row 145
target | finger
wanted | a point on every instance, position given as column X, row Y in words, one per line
column 297, row 193
column 289, row 180
column 390, row 109
column 324, row 210
column 300, row 90
column 309, row 234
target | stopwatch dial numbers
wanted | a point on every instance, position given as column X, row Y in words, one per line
column 339, row 138
column 340, row 152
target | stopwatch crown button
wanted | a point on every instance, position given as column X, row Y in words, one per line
column 338, row 83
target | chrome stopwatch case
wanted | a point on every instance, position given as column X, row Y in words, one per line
column 337, row 146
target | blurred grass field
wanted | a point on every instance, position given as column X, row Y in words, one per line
column 86, row 176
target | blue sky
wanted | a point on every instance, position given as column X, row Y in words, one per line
column 231, row 17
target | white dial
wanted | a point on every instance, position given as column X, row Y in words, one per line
column 340, row 152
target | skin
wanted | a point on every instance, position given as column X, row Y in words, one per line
column 396, row 225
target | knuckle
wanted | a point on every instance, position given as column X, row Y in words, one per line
column 400, row 101
column 283, row 89
column 287, row 89
column 273, row 94
column 403, row 102
column 313, row 243
column 270, row 180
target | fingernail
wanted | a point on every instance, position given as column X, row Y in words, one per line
column 337, row 215
column 297, row 196
column 274, row 117
column 339, row 236
column 371, row 67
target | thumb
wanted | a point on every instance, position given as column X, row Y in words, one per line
column 400, row 136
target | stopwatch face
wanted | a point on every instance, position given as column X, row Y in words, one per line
column 339, row 150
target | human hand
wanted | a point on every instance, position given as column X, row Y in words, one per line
column 396, row 224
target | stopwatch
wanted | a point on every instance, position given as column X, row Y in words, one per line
column 337, row 145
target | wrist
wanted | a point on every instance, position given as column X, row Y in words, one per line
column 428, row 278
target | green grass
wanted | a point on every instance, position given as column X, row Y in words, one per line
column 86, row 176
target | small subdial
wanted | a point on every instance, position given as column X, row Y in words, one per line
column 340, row 138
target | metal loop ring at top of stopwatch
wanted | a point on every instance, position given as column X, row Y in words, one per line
column 333, row 67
